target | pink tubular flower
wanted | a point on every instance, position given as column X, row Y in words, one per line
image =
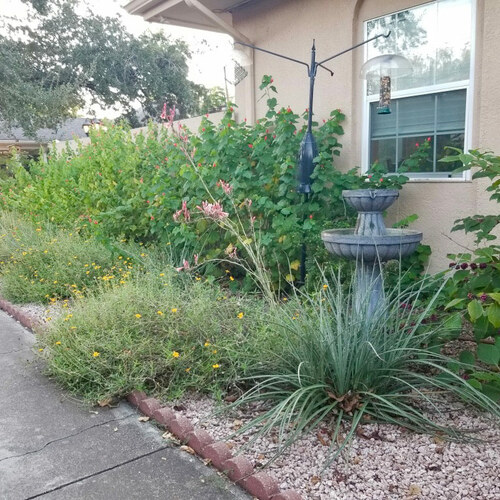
column 184, row 267
column 163, row 115
column 183, row 211
column 195, row 259
column 417, row 144
column 213, row 211
column 228, row 189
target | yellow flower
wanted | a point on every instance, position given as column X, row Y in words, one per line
column 58, row 342
column 55, row 282
column 188, row 370
column 175, row 354
column 174, row 309
column 73, row 328
column 40, row 350
column 240, row 315
column 96, row 354
column 325, row 287
column 214, row 351
column 138, row 316
column 215, row 366
column 231, row 278
column 162, row 274
column 207, row 343
column 38, row 228
column 143, row 255
column 159, row 313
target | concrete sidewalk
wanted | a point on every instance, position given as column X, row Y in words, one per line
column 51, row 447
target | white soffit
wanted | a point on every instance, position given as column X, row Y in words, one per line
column 212, row 15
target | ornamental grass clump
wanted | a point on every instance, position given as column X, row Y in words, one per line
column 338, row 365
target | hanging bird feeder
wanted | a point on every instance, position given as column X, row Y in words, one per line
column 385, row 67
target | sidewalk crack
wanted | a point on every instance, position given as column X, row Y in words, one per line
column 16, row 350
column 81, row 431
column 60, row 487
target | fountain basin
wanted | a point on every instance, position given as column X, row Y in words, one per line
column 395, row 244
column 370, row 200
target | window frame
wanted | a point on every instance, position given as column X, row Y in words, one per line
column 467, row 85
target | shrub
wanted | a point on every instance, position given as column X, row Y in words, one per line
column 162, row 332
column 124, row 187
column 474, row 290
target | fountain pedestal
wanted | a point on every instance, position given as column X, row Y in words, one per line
column 370, row 243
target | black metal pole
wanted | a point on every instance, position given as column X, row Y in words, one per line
column 308, row 148
column 312, row 75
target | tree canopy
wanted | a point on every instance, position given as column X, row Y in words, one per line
column 61, row 61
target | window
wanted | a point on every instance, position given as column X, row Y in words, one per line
column 429, row 106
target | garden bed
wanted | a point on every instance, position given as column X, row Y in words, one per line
column 383, row 461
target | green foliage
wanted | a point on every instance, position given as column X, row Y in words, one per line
column 124, row 187
column 485, row 165
column 60, row 57
column 377, row 177
column 474, row 289
column 157, row 332
column 420, row 160
column 338, row 362
column 42, row 264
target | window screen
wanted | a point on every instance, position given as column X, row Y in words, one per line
column 415, row 135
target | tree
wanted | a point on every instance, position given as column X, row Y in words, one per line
column 61, row 60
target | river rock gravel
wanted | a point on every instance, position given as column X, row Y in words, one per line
column 384, row 461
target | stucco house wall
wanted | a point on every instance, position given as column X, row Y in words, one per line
column 288, row 26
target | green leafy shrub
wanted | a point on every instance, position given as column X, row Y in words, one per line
column 377, row 177
column 474, row 290
column 338, row 363
column 162, row 332
column 124, row 187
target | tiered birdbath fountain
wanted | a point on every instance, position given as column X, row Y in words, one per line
column 370, row 243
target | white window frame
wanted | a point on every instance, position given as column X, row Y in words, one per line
column 468, row 85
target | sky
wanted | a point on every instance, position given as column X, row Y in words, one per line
column 210, row 51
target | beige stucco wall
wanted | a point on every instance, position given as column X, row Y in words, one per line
column 288, row 26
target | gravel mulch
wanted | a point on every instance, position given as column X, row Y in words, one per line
column 384, row 461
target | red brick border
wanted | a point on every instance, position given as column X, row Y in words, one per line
column 25, row 319
column 238, row 468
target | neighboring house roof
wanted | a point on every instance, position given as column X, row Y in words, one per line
column 212, row 15
column 67, row 131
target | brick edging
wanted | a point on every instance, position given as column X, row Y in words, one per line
column 25, row 319
column 238, row 468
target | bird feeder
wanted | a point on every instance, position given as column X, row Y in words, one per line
column 385, row 67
